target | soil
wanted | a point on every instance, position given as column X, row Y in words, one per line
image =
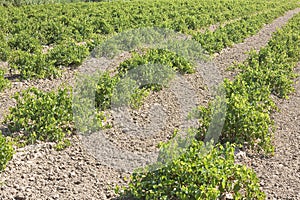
column 85, row 171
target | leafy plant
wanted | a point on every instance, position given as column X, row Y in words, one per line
column 68, row 53
column 137, row 76
column 6, row 151
column 3, row 81
column 35, row 2
column 4, row 48
column 23, row 41
column 158, row 56
column 200, row 173
column 116, row 91
column 90, row 99
column 104, row 90
column 45, row 116
column 247, row 122
column 33, row 65
column 128, row 93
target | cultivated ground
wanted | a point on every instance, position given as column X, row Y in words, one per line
column 40, row 172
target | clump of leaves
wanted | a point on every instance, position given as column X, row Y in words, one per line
column 30, row 65
column 3, row 81
column 6, row 151
column 91, row 96
column 104, row 90
column 4, row 47
column 235, row 32
column 68, row 53
column 128, row 93
column 38, row 115
column 161, row 56
column 196, row 175
column 247, row 121
column 116, row 91
column 25, row 42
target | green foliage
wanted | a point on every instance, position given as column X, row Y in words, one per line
column 30, row 62
column 158, row 56
column 3, row 81
column 248, row 109
column 237, row 31
column 154, row 76
column 200, row 173
column 6, row 151
column 247, row 122
column 45, row 116
column 34, row 2
column 128, row 93
column 88, row 103
column 4, row 51
column 116, row 91
column 4, row 47
column 68, row 53
column 30, row 28
column 32, row 65
column 104, row 90
column 23, row 41
column 273, row 67
column 62, row 144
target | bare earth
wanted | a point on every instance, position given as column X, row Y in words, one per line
column 40, row 172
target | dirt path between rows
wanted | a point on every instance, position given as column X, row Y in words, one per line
column 40, row 172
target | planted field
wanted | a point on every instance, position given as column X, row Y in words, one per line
column 121, row 130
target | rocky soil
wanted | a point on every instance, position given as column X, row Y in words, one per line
column 83, row 172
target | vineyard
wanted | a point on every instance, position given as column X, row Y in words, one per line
column 43, row 47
